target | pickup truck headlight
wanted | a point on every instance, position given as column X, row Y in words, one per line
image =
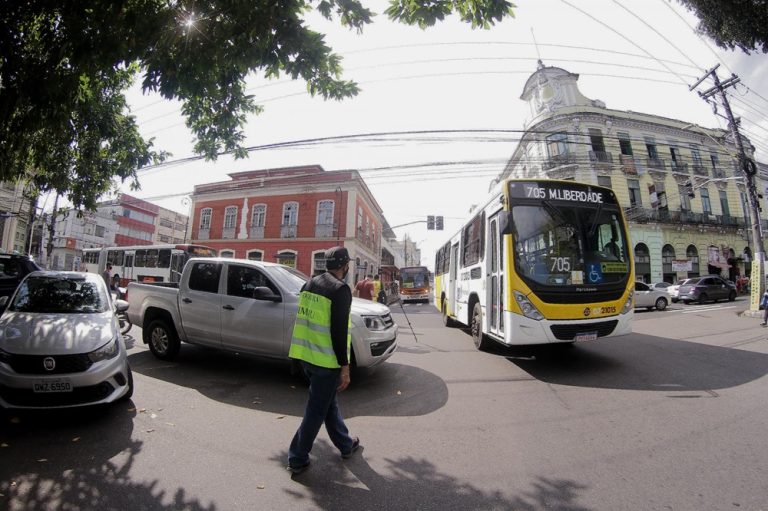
column 529, row 310
column 374, row 323
column 107, row 351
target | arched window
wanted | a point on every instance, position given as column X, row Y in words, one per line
column 287, row 257
column 667, row 257
column 318, row 262
column 258, row 220
column 642, row 262
column 290, row 220
column 230, row 219
column 324, row 225
column 255, row 255
column 692, row 253
column 205, row 218
column 226, row 253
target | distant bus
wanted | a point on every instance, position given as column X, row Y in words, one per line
column 143, row 263
column 542, row 261
column 414, row 284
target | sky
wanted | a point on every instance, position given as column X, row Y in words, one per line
column 423, row 87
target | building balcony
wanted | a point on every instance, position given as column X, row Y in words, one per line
column 717, row 173
column 256, row 232
column 325, row 230
column 560, row 160
column 655, row 164
column 288, row 231
column 628, row 165
column 678, row 167
column 228, row 233
column 203, row 234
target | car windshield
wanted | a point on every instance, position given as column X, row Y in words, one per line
column 691, row 282
column 67, row 294
column 291, row 278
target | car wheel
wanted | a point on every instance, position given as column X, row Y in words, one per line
column 703, row 298
column 686, row 302
column 661, row 304
column 163, row 341
column 732, row 296
column 447, row 320
column 480, row 340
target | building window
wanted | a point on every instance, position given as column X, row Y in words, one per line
column 650, row 146
column 625, row 144
column 227, row 253
column 287, row 258
column 557, row 144
column 677, row 158
column 359, row 218
column 685, row 200
column 715, row 161
column 325, row 212
column 255, row 255
column 705, row 204
column 318, row 263
column 259, row 215
column 667, row 258
column 635, row 198
column 596, row 139
column 205, row 218
column 290, row 213
column 99, row 231
column 724, row 203
column 693, row 255
column 604, row 181
column 695, row 155
column 230, row 217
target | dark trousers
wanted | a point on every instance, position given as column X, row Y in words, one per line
column 322, row 408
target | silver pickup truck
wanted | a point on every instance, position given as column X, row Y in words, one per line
column 244, row 306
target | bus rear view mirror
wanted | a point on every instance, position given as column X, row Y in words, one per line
column 505, row 223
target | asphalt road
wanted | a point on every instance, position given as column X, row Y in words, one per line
column 672, row 417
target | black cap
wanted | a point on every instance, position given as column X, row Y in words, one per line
column 336, row 257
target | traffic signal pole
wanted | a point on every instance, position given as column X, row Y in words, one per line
column 757, row 280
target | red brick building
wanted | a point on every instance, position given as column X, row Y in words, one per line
column 291, row 216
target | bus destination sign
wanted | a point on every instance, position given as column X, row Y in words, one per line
column 554, row 191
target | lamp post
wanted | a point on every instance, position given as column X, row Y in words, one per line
column 186, row 201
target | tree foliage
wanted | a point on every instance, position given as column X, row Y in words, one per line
column 733, row 23
column 65, row 67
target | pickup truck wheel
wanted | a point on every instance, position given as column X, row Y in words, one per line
column 162, row 339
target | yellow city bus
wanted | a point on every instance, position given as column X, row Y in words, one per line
column 542, row 261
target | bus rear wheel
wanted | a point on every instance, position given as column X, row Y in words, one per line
column 481, row 341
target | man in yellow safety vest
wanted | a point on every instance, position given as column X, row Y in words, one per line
column 321, row 343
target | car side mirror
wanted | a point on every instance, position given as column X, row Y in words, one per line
column 264, row 293
column 121, row 306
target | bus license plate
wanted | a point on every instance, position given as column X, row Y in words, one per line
column 585, row 336
column 48, row 386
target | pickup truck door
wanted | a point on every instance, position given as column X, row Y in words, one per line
column 200, row 304
column 247, row 324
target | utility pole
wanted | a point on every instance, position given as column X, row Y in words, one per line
column 51, row 231
column 748, row 166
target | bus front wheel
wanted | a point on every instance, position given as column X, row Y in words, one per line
column 480, row 340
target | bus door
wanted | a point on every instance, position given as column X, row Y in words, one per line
column 128, row 266
column 495, row 278
column 452, row 287
column 177, row 264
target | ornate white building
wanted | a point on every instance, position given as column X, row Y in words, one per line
column 649, row 162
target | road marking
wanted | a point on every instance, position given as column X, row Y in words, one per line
column 709, row 309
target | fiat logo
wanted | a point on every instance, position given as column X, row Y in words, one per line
column 49, row 363
column 586, row 312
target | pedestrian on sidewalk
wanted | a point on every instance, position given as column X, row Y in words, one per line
column 321, row 343
column 764, row 306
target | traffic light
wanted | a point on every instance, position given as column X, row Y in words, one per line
column 439, row 223
column 689, row 189
column 431, row 222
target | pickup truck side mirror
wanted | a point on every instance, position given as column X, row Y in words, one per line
column 121, row 306
column 264, row 293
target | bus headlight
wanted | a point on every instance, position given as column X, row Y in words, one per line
column 628, row 304
column 529, row 310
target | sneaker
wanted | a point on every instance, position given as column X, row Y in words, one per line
column 763, row 323
column 298, row 469
column 355, row 448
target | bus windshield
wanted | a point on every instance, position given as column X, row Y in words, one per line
column 414, row 278
column 567, row 243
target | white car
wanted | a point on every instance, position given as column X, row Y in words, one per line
column 60, row 343
column 648, row 298
column 674, row 290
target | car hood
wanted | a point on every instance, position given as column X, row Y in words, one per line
column 364, row 307
column 55, row 334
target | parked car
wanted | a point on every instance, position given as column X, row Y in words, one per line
column 244, row 306
column 649, row 298
column 13, row 269
column 708, row 287
column 60, row 343
column 674, row 290
column 661, row 286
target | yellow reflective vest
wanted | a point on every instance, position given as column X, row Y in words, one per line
column 311, row 341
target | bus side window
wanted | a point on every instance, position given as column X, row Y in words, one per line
column 164, row 258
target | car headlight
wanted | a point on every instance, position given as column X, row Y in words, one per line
column 107, row 351
column 529, row 310
column 374, row 323
column 628, row 305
